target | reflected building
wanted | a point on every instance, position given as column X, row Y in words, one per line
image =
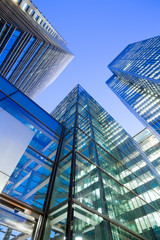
column 75, row 174
column 32, row 52
column 136, row 81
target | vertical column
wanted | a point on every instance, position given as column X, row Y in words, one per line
column 50, row 189
column 69, row 226
column 102, row 192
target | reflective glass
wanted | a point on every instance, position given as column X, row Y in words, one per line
column 120, row 234
column 86, row 146
column 89, row 226
column 88, row 187
column 62, row 182
column 36, row 111
column 125, row 207
column 67, row 145
column 29, row 181
column 56, row 224
column 15, row 224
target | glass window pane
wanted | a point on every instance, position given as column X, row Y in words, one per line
column 127, row 208
column 29, row 181
column 39, row 113
column 62, row 182
column 89, row 226
column 56, row 224
column 16, row 224
column 67, row 145
column 86, row 146
column 88, row 189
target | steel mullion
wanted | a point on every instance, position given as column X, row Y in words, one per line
column 108, row 219
column 69, row 226
column 117, row 160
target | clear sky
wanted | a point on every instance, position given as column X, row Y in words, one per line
column 96, row 32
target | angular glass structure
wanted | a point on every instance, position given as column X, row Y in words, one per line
column 136, row 81
column 29, row 140
column 32, row 52
column 103, row 187
column 78, row 177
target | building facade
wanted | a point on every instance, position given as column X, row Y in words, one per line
column 29, row 140
column 108, row 178
column 78, row 177
column 149, row 144
column 136, row 81
column 32, row 52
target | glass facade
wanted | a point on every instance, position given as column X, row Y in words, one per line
column 149, row 144
column 78, row 177
column 103, row 187
column 32, row 55
column 29, row 139
column 136, row 81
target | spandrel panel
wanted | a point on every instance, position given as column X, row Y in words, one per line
column 89, row 226
column 62, row 181
column 88, row 186
column 29, row 181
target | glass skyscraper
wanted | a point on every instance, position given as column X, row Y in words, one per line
column 78, row 177
column 149, row 144
column 136, row 81
column 74, row 174
column 32, row 52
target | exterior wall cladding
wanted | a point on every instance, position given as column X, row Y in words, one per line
column 82, row 177
column 32, row 52
column 75, row 175
column 136, row 81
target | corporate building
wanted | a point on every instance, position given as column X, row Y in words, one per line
column 32, row 52
column 78, row 177
column 74, row 174
column 136, row 81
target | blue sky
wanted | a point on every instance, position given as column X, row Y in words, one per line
column 96, row 32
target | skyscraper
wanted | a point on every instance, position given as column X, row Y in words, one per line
column 136, row 81
column 109, row 178
column 32, row 52
column 78, row 177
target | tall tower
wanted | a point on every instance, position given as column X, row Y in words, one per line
column 103, row 184
column 32, row 52
column 78, row 177
column 136, row 81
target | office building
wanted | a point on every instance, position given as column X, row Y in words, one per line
column 110, row 177
column 149, row 144
column 136, row 81
column 32, row 52
column 78, row 177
